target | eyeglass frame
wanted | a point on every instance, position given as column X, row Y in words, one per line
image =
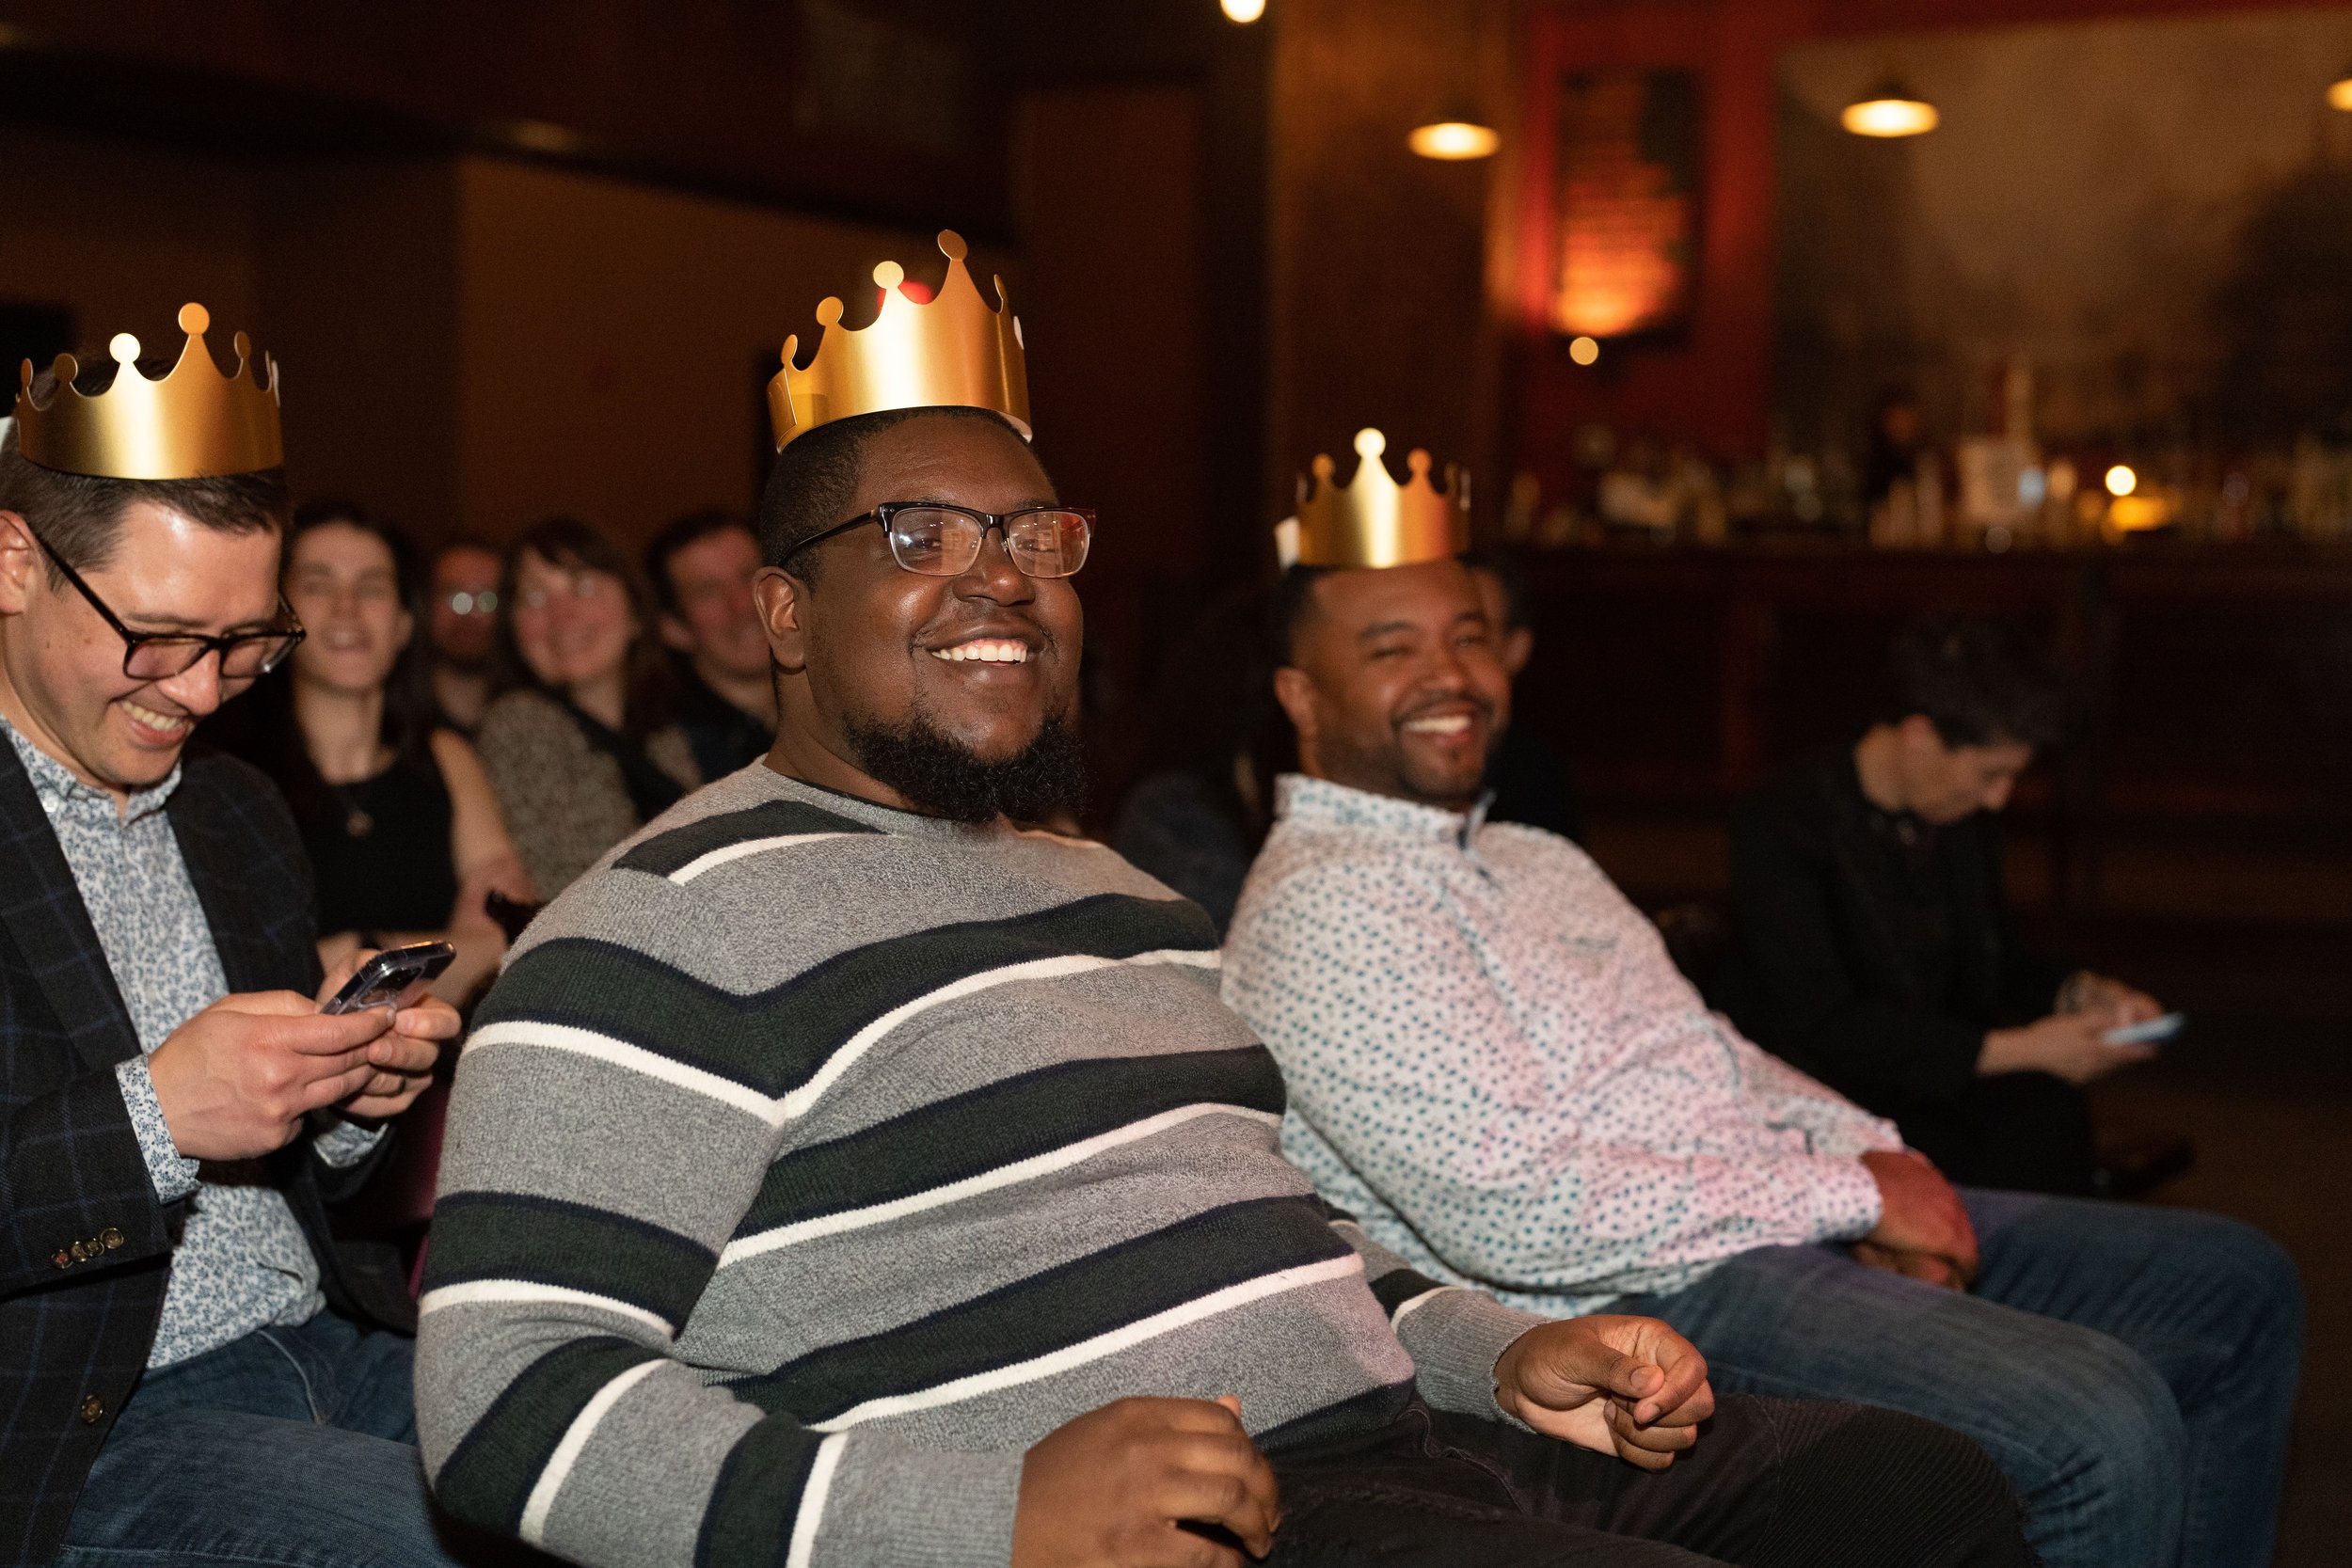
column 294, row 631
column 881, row 515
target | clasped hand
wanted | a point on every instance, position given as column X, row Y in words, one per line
column 1923, row 1231
column 238, row 1079
column 1132, row 1483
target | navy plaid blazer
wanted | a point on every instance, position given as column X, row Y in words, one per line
column 85, row 1246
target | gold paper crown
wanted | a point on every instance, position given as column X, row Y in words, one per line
column 194, row 423
column 1374, row 521
column 958, row 351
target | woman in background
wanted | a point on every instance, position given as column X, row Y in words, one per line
column 404, row 831
column 581, row 748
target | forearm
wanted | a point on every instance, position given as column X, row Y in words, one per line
column 1453, row 1333
column 73, row 1174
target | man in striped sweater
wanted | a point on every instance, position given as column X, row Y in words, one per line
column 840, row 1174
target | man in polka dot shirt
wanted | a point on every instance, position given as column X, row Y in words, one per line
column 1493, row 1062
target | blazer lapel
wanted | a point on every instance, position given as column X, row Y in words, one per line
column 43, row 910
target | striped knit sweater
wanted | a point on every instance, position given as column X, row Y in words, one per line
column 812, row 1160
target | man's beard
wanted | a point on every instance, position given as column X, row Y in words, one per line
column 943, row 778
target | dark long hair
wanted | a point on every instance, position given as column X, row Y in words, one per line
column 576, row 546
column 261, row 725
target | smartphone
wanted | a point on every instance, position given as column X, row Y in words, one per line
column 382, row 978
column 2149, row 1032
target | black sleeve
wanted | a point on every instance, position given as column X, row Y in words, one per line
column 1804, row 1001
column 71, row 1175
column 2027, row 983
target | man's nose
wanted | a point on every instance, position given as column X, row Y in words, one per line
column 196, row 688
column 993, row 577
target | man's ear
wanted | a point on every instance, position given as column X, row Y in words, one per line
column 779, row 594
column 674, row 635
column 1296, row 691
column 19, row 558
column 1919, row 736
column 1518, row 644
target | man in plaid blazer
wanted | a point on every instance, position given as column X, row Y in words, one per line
column 189, row 1365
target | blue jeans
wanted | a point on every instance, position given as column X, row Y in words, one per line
column 291, row 1446
column 2132, row 1370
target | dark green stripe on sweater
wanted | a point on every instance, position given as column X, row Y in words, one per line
column 775, row 1039
column 549, row 1242
column 749, row 1521
column 666, row 852
column 1059, row 1307
column 1013, row 1119
column 490, row 1474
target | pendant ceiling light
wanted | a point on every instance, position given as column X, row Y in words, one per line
column 1243, row 10
column 2340, row 92
column 1454, row 139
column 1890, row 109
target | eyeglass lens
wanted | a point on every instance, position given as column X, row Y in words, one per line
column 159, row 659
column 943, row 543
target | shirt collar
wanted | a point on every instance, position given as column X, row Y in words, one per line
column 60, row 792
column 1320, row 803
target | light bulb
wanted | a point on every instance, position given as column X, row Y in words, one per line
column 2121, row 481
column 1244, row 11
column 1584, row 351
column 1889, row 117
column 2340, row 94
column 1454, row 140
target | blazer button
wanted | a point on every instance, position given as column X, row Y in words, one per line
column 92, row 1408
column 112, row 1238
column 62, row 1258
column 80, row 1251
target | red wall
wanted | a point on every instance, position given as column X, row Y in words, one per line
column 1712, row 386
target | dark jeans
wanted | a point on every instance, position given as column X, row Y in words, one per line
column 2018, row 1131
column 1772, row 1484
column 291, row 1446
column 2130, row 1368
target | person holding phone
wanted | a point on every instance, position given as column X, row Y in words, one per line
column 191, row 1366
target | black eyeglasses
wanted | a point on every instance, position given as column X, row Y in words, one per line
column 158, row 656
column 941, row 541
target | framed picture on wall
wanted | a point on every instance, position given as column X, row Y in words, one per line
column 1624, row 247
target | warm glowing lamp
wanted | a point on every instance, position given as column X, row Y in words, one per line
column 1454, row 140
column 1244, row 11
column 2340, row 92
column 1890, row 109
column 1584, row 351
column 2121, row 481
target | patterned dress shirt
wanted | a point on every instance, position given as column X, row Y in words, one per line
column 241, row 1262
column 1495, row 1065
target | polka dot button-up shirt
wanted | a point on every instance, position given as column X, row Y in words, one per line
column 1495, row 1065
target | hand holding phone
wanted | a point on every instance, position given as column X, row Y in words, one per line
column 380, row 981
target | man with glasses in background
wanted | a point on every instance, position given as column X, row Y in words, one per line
column 190, row 1367
column 464, row 630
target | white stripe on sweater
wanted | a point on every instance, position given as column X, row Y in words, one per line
column 812, row 1510
column 988, row 1181
column 775, row 1113
column 478, row 1291
column 726, row 852
column 533, row 1527
column 1098, row 1348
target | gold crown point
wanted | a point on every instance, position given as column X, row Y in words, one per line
column 1418, row 461
column 951, row 246
column 194, row 320
column 123, row 349
column 828, row 312
column 889, row 274
column 193, row 422
column 1370, row 444
column 791, row 346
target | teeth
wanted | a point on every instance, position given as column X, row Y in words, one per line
column 986, row 650
column 1449, row 724
column 153, row 719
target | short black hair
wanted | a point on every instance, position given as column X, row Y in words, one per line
column 811, row 481
column 1286, row 608
column 1979, row 682
column 1507, row 568
column 79, row 515
column 692, row 528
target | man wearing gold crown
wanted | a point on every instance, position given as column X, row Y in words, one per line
column 1493, row 1062
column 844, row 1174
column 191, row 1367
